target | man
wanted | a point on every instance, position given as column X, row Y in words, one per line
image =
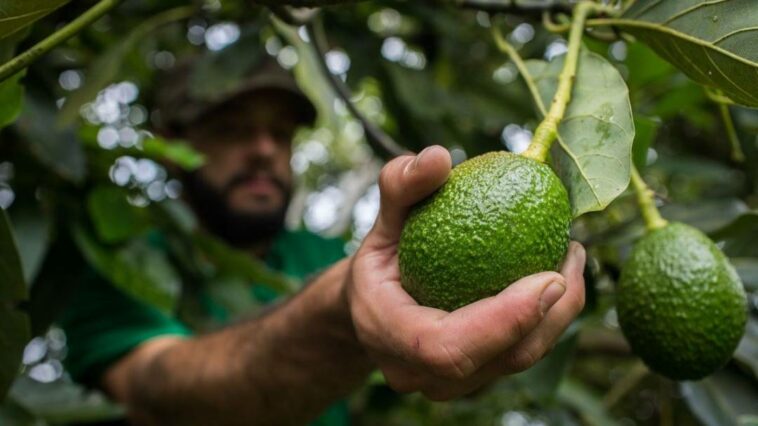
column 288, row 366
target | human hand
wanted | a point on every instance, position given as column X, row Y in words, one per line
column 449, row 354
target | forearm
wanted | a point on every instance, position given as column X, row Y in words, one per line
column 284, row 368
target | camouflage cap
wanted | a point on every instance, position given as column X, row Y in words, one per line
column 184, row 95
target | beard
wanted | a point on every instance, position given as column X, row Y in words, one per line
column 239, row 229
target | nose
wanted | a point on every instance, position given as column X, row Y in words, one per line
column 262, row 144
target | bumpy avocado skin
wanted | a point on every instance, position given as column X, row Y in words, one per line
column 498, row 218
column 680, row 303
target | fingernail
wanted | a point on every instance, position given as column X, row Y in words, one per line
column 417, row 160
column 550, row 295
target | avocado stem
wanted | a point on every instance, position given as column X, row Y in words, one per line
column 547, row 131
column 646, row 200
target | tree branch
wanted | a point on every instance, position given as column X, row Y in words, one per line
column 294, row 16
column 304, row 3
column 380, row 142
column 74, row 27
column 515, row 6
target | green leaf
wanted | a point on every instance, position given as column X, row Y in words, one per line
column 59, row 149
column 105, row 68
column 14, row 334
column 739, row 235
column 747, row 269
column 712, row 41
column 585, row 402
column 138, row 269
column 541, row 381
column 55, row 283
column 724, row 398
column 15, row 14
column 645, row 132
column 115, row 219
column 11, row 99
column 175, row 151
column 593, row 153
column 14, row 324
column 231, row 262
column 747, row 351
column 32, row 229
column 707, row 215
column 13, row 288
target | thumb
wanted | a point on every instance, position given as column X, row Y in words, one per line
column 490, row 326
column 403, row 182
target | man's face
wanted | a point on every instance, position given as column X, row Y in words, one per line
column 243, row 190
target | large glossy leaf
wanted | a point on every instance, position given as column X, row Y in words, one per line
column 739, row 235
column 14, row 324
column 11, row 98
column 707, row 215
column 59, row 149
column 587, row 403
column 56, row 281
column 15, row 14
column 32, row 229
column 114, row 218
column 724, row 398
column 645, row 132
column 747, row 351
column 231, row 262
column 712, row 41
column 593, row 153
column 138, row 269
column 541, row 381
column 747, row 269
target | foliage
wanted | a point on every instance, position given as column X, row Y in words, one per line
column 87, row 185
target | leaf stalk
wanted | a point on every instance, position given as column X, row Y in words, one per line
column 24, row 59
column 518, row 61
column 738, row 155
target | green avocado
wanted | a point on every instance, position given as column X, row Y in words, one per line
column 680, row 303
column 498, row 218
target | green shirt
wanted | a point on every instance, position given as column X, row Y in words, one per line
column 102, row 324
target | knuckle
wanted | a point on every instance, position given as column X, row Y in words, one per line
column 449, row 362
column 385, row 176
column 526, row 315
column 578, row 301
column 552, row 276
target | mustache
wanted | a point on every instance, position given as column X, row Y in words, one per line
column 241, row 178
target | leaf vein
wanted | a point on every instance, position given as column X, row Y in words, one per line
column 25, row 15
column 727, row 35
column 579, row 168
column 647, row 8
column 735, row 85
column 650, row 26
column 691, row 9
column 598, row 119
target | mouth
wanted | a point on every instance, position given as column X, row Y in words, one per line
column 258, row 186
